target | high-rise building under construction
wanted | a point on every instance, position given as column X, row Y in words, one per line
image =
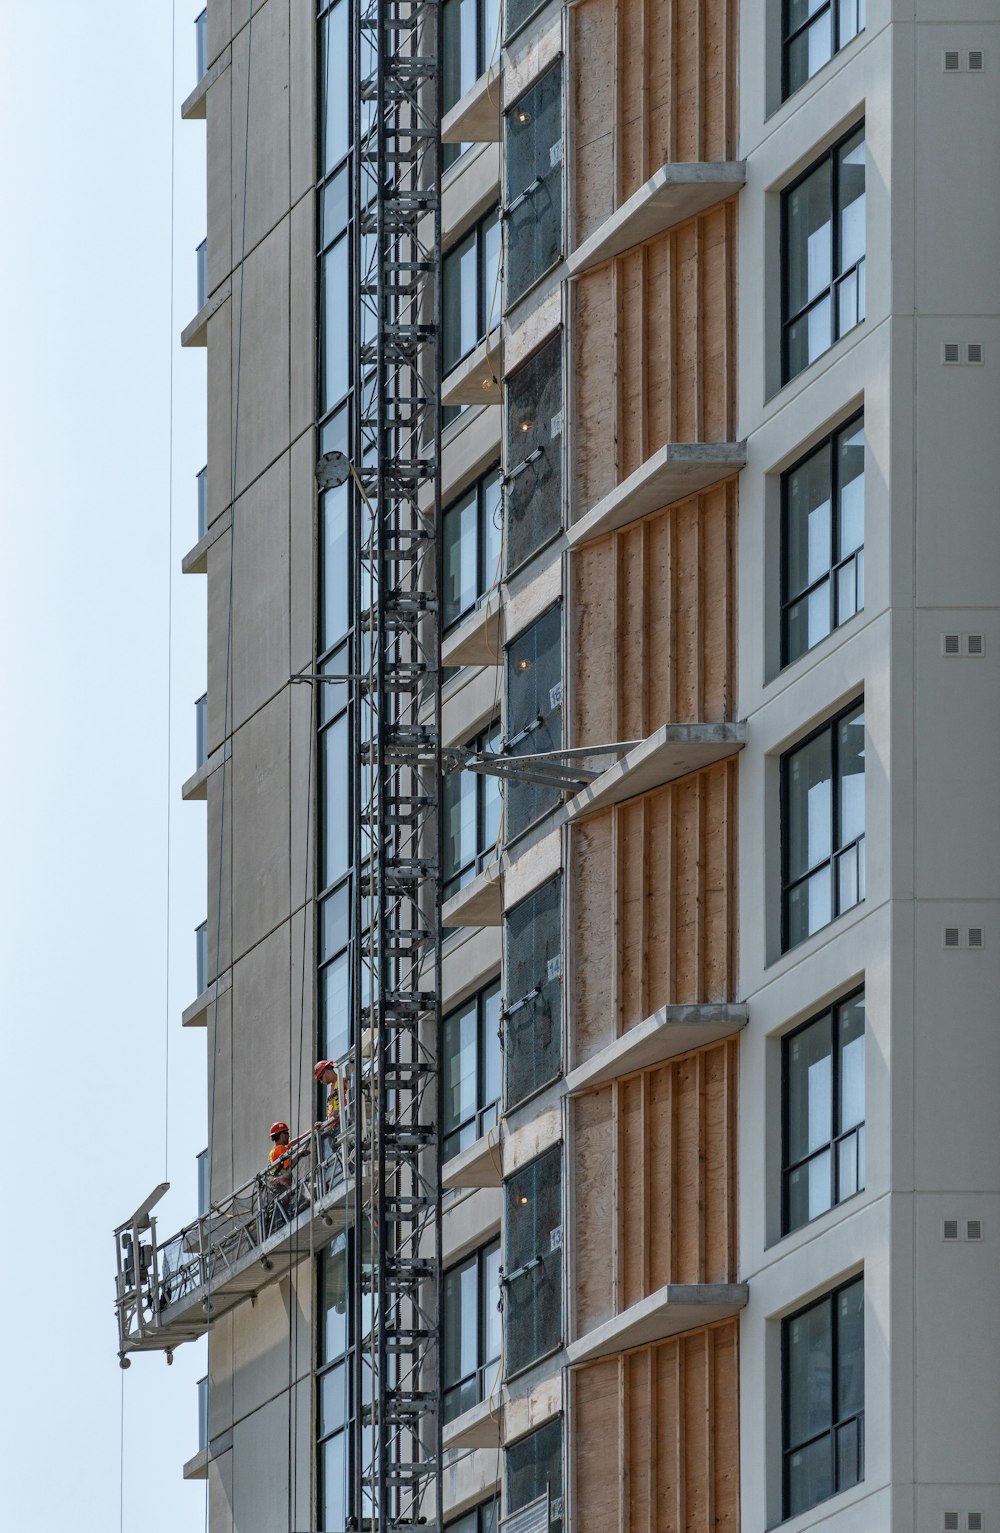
column 600, row 759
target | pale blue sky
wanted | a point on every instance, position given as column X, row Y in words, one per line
column 85, row 128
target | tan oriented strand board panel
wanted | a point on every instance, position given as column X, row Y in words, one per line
column 654, row 1183
column 655, row 1437
column 664, row 314
column 654, row 622
column 653, row 914
column 652, row 84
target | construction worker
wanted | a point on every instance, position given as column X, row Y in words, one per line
column 281, row 1173
column 325, row 1072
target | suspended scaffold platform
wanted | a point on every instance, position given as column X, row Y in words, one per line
column 169, row 1291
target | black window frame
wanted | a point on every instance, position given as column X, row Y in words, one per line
column 839, row 1135
column 489, row 300
column 487, row 47
column 522, row 1481
column 838, row 561
column 525, row 803
column 486, row 1113
column 837, row 277
column 526, row 1015
column 346, row 1360
column 488, row 572
column 522, row 112
column 836, row 849
column 533, row 453
column 790, row 34
column 487, row 1369
column 484, row 785
column 533, row 1264
column 838, row 1422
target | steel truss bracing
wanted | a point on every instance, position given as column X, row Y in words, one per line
column 396, row 1480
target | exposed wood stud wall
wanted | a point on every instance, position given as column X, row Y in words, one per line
column 669, row 95
column 656, row 1445
column 662, row 319
column 653, row 891
column 653, row 613
column 653, row 1187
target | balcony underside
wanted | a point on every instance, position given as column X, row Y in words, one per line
column 672, row 751
column 670, row 1310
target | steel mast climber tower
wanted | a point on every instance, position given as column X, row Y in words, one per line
column 397, row 723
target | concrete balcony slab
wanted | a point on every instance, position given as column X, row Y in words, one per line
column 196, row 1468
column 477, row 118
column 671, row 196
column 195, row 105
column 477, row 378
column 480, row 903
column 478, row 1166
column 196, row 1015
column 670, row 1310
column 672, row 473
column 479, row 1427
column 196, row 332
column 672, row 752
column 478, row 639
column 196, row 786
column 668, row 1032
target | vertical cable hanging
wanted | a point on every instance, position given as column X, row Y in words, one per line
column 397, row 1460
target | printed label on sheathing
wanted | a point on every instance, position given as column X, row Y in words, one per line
column 555, row 425
column 553, row 969
column 555, row 153
column 555, row 695
column 555, row 1238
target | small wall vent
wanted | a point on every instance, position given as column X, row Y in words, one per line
column 976, row 937
column 974, row 353
column 950, row 1522
column 949, row 1229
column 975, row 645
column 973, row 1229
column 951, row 353
column 951, row 644
column 955, row 645
column 964, row 938
column 976, row 66
column 952, row 61
column 952, row 937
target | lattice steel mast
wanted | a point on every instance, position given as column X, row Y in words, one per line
column 397, row 1469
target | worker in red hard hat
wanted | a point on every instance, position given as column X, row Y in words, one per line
column 281, row 1171
column 326, row 1074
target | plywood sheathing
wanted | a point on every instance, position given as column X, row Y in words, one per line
column 654, row 1183
column 653, row 906
column 653, row 622
column 654, row 83
column 656, row 1437
column 664, row 317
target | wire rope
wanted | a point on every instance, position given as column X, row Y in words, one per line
column 170, row 596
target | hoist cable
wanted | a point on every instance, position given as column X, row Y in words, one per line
column 170, row 597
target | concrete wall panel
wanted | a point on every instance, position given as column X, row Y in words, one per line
column 653, row 622
column 654, row 1183
column 663, row 317
column 262, row 360
column 651, row 85
column 260, row 664
column 653, row 913
column 260, row 807
column 657, row 1437
column 263, row 124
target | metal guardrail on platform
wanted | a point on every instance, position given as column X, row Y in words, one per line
column 165, row 1289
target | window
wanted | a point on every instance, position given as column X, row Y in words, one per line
column 335, row 972
column 344, row 1322
column 473, row 538
column 471, row 282
column 334, row 85
column 534, row 453
column 472, row 809
column 200, row 45
column 823, row 1091
column 822, row 538
column 201, row 730
column 482, row 1519
column 823, row 826
column 201, row 957
column 471, row 1339
column 471, row 1069
column 517, row 12
column 201, row 479
column 533, row 207
column 471, row 41
column 812, row 32
column 533, row 1281
column 534, row 1469
column 533, row 1014
column 823, row 1372
column 823, row 254
column 201, row 274
column 534, row 715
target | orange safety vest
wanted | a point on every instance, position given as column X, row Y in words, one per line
column 333, row 1102
column 278, row 1152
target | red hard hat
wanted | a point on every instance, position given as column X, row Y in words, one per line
column 323, row 1064
column 278, row 1128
